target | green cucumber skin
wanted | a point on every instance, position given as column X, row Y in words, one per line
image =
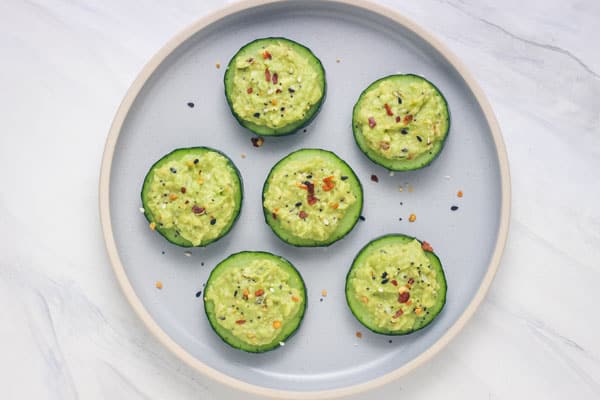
column 297, row 242
column 244, row 346
column 290, row 128
column 169, row 234
column 399, row 165
column 442, row 280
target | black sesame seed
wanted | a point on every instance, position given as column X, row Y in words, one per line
column 344, row 178
column 390, row 341
column 385, row 281
column 199, row 293
column 190, row 104
column 454, row 208
column 202, row 264
column 419, row 138
column 362, row 218
column 405, row 150
column 404, row 131
column 309, row 177
column 291, row 90
column 213, row 221
column 235, row 293
column 321, row 300
column 399, row 100
column 173, row 170
column 162, row 252
column 256, row 115
column 298, row 204
column 196, row 161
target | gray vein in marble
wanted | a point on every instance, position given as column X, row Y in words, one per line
column 549, row 338
column 553, row 246
column 49, row 346
column 126, row 382
column 545, row 46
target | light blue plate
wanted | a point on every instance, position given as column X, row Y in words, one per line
column 356, row 46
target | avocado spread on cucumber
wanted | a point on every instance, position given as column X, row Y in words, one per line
column 312, row 198
column 274, row 86
column 255, row 300
column 192, row 196
column 401, row 122
column 396, row 285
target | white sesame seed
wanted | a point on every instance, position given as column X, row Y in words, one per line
column 142, row 210
column 392, row 173
column 188, row 253
column 281, row 344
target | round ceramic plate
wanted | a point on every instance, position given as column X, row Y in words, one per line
column 357, row 42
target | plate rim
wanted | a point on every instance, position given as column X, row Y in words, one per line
column 174, row 347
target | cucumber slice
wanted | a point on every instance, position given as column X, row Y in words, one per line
column 312, row 198
column 401, row 122
column 395, row 286
column 274, row 86
column 255, row 300
column 192, row 196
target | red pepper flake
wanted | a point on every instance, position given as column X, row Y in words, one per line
column 398, row 119
column 398, row 313
column 275, row 78
column 394, row 282
column 257, row 141
column 403, row 297
column 460, row 193
column 372, row 122
column 266, row 55
column 303, row 215
column 374, row 178
column 383, row 145
column 249, row 90
column 198, row 210
column 183, row 189
column 407, row 118
column 240, row 321
column 259, row 292
column 274, row 215
column 329, row 184
column 388, row 109
column 310, row 197
column 267, row 75
column 358, row 334
column 426, row 246
column 278, row 91
column 411, row 281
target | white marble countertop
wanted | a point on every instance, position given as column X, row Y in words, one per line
column 67, row 331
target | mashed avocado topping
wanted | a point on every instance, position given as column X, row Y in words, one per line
column 275, row 84
column 308, row 197
column 254, row 302
column 396, row 285
column 402, row 118
column 195, row 195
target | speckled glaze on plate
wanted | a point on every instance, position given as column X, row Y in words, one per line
column 357, row 42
